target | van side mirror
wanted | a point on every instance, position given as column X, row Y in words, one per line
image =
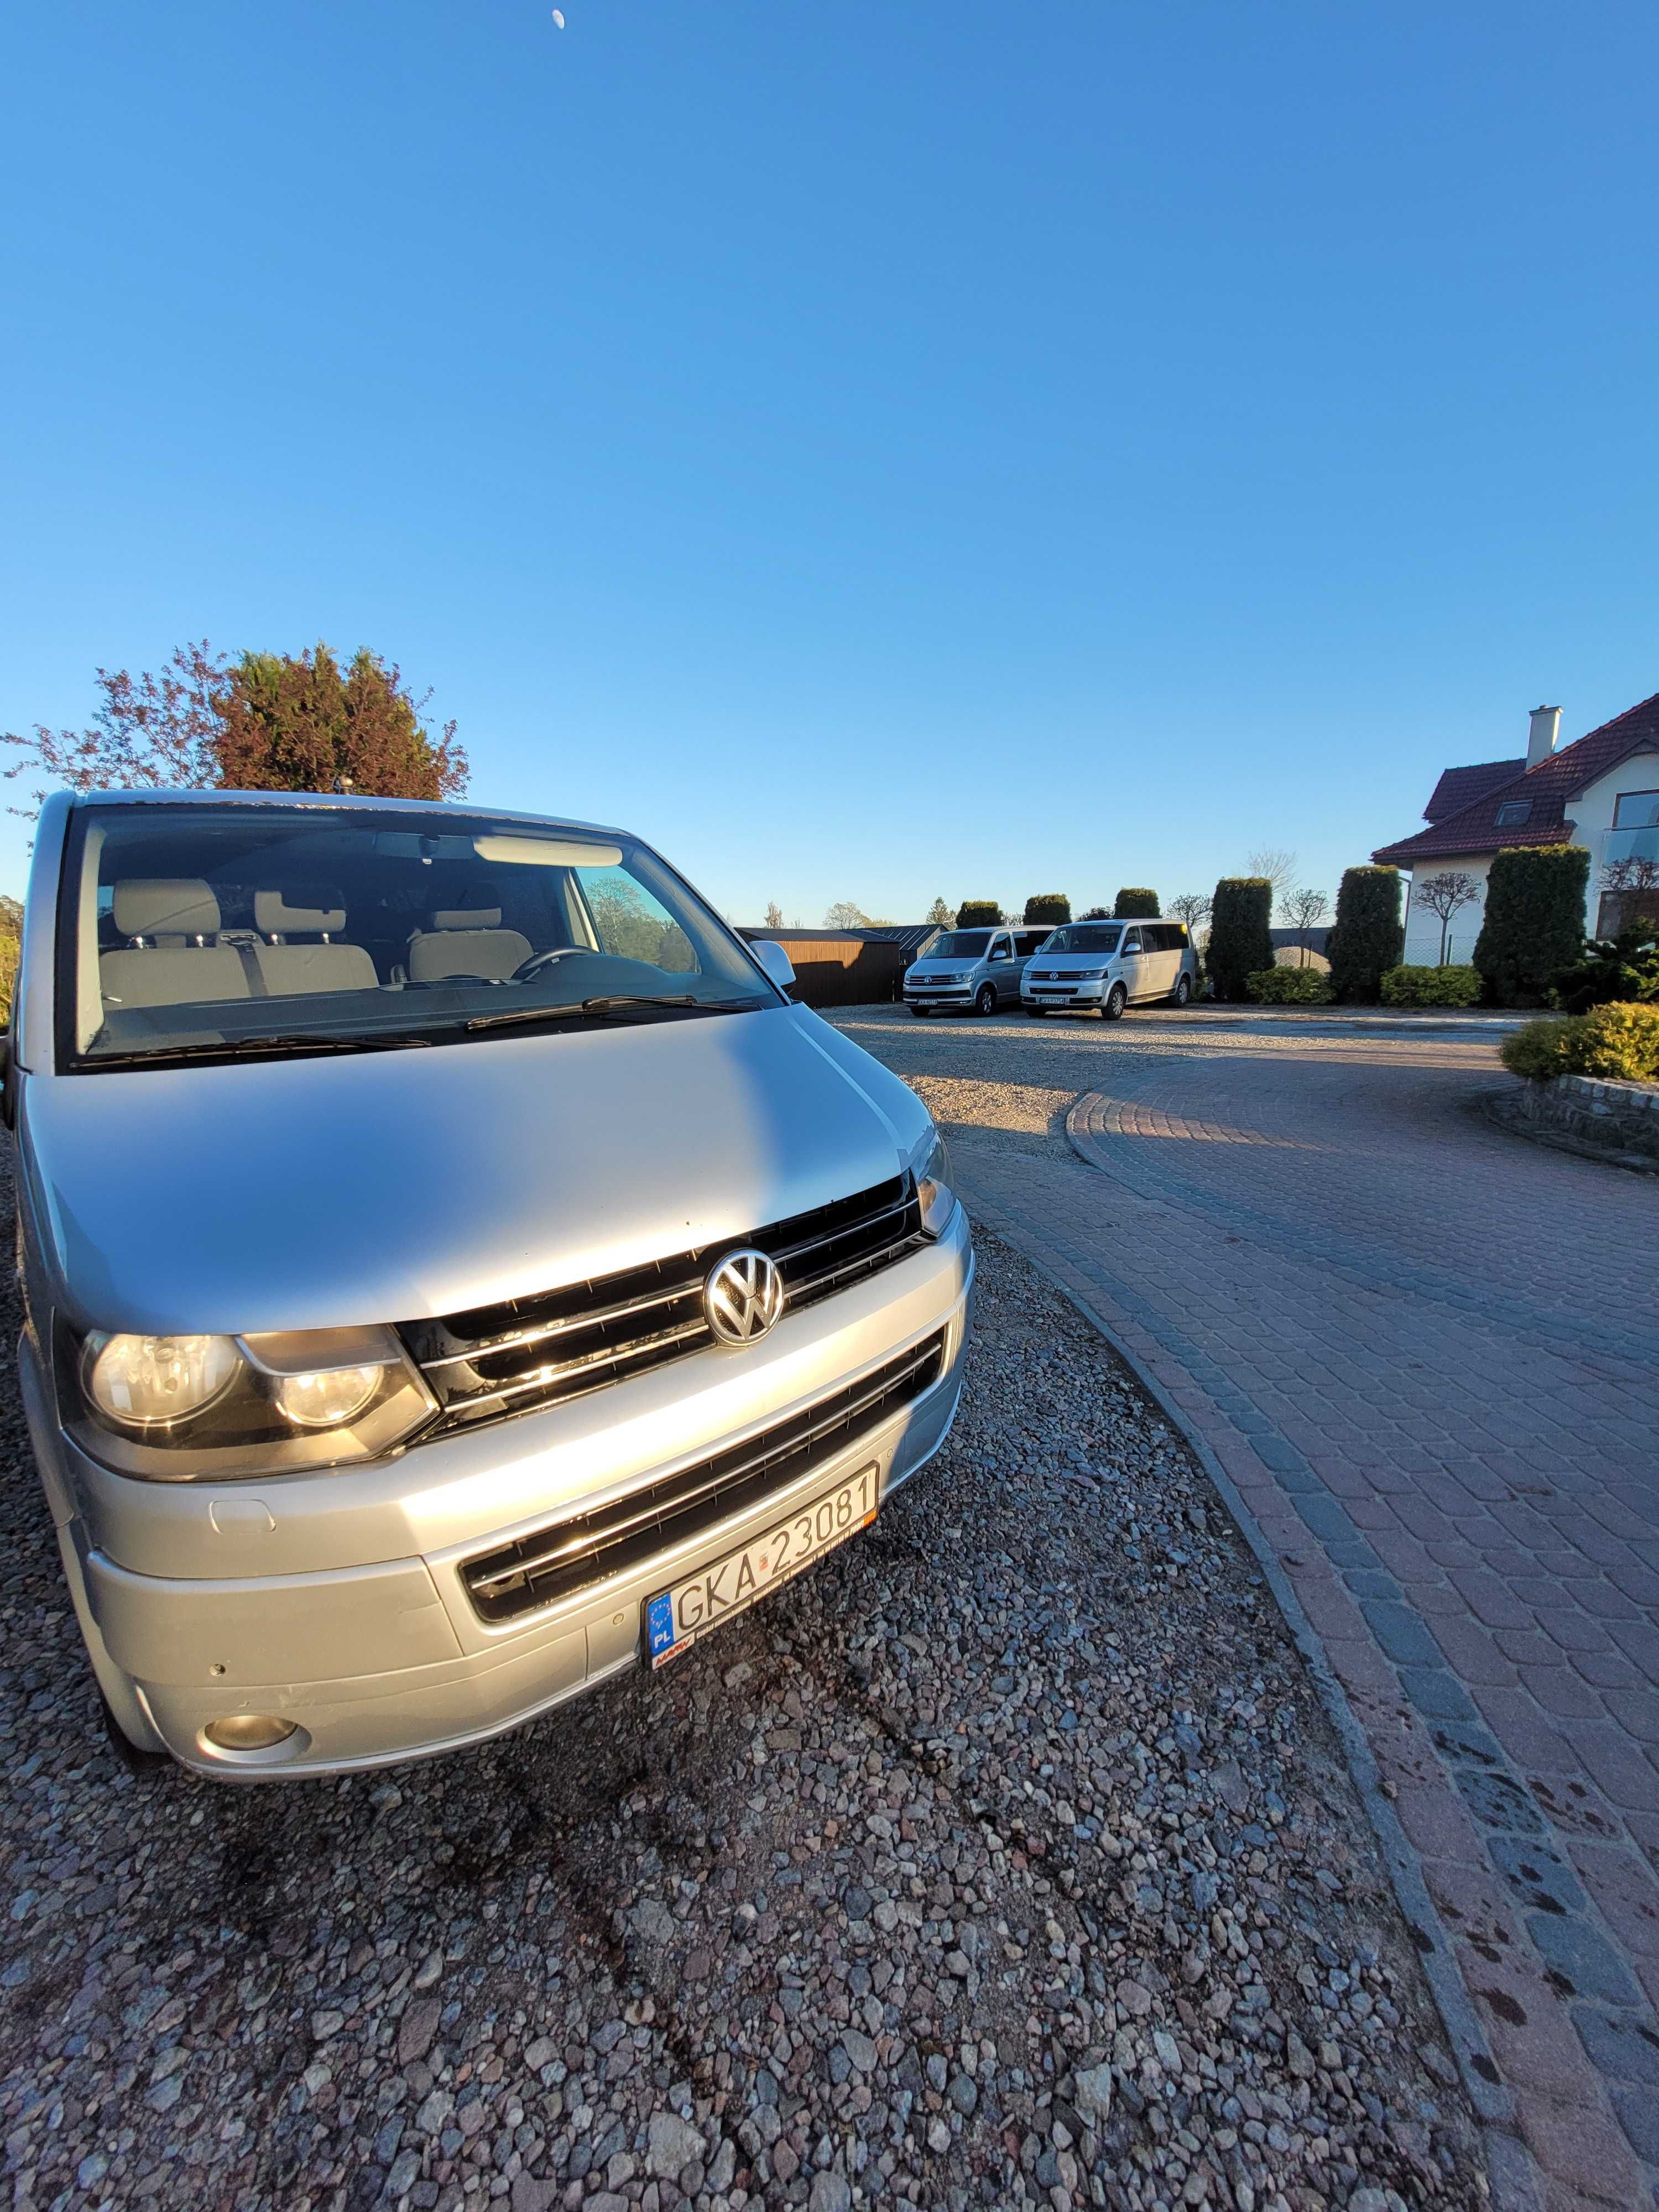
column 776, row 963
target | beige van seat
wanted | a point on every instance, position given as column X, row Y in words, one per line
column 467, row 940
column 285, row 968
column 173, row 956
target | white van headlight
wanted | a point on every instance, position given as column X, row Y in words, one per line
column 930, row 1163
column 175, row 1409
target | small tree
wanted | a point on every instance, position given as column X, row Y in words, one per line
column 1303, row 911
column 307, row 724
column 1445, row 896
column 1534, row 921
column 1052, row 907
column 1136, row 903
column 1367, row 939
column 979, row 913
column 1278, row 866
column 263, row 723
column 151, row 733
column 1191, row 907
column 773, row 914
column 1241, row 944
column 942, row 915
column 845, row 916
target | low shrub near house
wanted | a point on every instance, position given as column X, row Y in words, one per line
column 1611, row 967
column 1431, row 987
column 1616, row 1043
column 1290, row 987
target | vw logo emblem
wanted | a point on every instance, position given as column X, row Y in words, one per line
column 742, row 1297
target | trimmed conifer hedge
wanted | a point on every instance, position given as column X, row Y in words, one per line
column 1535, row 920
column 978, row 914
column 1369, row 938
column 1136, row 903
column 1240, row 943
column 1052, row 907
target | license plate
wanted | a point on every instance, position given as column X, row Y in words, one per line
column 675, row 1618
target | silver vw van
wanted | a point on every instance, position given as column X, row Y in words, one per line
column 453, row 1268
column 970, row 970
column 1102, row 967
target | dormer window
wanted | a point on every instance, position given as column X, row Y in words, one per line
column 1513, row 812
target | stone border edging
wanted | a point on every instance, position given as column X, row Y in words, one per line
column 1502, row 1111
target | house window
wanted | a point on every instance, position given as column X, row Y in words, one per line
column 1513, row 812
column 1636, row 809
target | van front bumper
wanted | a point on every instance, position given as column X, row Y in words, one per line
column 380, row 1655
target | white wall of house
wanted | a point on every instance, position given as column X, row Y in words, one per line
column 1423, row 928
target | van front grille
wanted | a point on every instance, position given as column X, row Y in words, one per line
column 528, row 1353
column 571, row 1555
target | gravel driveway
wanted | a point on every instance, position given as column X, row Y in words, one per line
column 1005, row 1859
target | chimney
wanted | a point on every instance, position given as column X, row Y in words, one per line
column 1541, row 736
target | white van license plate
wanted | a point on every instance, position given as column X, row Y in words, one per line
column 675, row 1618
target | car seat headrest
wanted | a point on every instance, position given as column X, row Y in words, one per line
column 273, row 916
column 481, row 909
column 174, row 906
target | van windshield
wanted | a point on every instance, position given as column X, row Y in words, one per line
column 960, row 944
column 220, row 932
column 1084, row 937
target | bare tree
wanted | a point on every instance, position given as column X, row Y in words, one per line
column 1445, row 896
column 1278, row 865
column 845, row 916
column 773, row 914
column 1191, row 908
column 1304, row 910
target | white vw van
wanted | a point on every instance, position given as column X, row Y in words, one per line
column 1104, row 966
column 453, row 1268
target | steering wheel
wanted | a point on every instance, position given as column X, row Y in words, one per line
column 538, row 961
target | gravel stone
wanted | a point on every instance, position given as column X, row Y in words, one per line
column 1027, row 1919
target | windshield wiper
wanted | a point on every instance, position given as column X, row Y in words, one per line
column 253, row 1048
column 593, row 1009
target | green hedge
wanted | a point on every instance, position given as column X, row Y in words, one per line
column 1241, row 944
column 1615, row 1043
column 1431, row 987
column 1367, row 939
column 979, row 913
column 1290, row 987
column 1534, row 922
column 1136, row 903
column 1052, row 907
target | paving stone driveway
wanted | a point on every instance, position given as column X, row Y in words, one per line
column 1427, row 1354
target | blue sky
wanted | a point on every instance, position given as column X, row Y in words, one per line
column 874, row 452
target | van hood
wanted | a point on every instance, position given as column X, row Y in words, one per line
column 394, row 1186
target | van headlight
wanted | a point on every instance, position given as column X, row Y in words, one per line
column 930, row 1163
column 179, row 1408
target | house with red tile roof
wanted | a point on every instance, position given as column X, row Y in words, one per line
column 1602, row 792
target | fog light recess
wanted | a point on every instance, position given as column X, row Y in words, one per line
column 248, row 1732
